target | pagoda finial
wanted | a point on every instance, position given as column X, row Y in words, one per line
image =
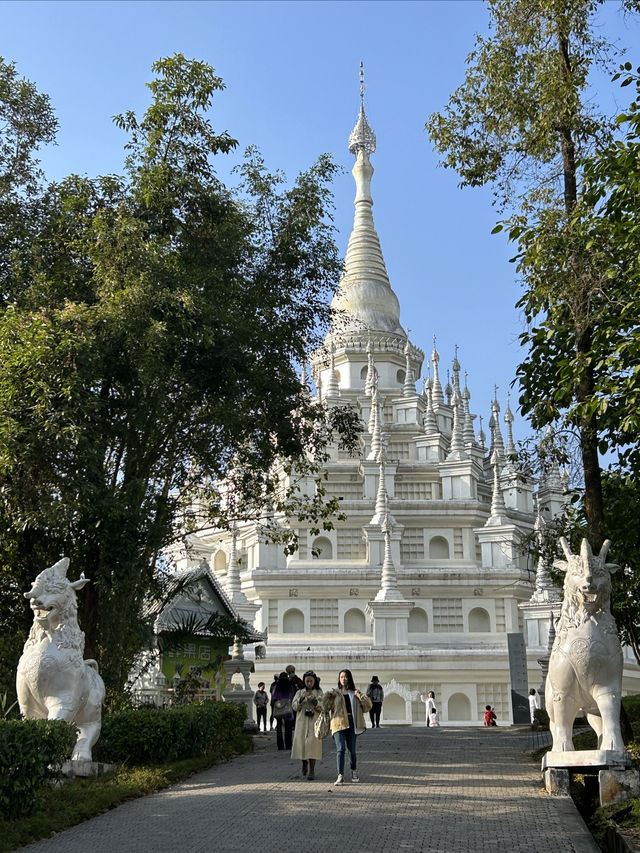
column 362, row 137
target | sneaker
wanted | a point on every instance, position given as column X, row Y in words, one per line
column 354, row 776
column 339, row 780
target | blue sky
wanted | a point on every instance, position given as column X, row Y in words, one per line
column 291, row 71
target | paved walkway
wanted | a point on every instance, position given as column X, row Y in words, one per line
column 442, row 790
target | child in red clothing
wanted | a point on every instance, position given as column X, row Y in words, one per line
column 490, row 716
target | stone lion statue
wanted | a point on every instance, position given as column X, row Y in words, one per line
column 53, row 680
column 585, row 667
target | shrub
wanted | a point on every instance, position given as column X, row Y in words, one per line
column 155, row 735
column 31, row 753
column 541, row 719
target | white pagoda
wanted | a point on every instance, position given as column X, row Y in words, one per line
column 426, row 580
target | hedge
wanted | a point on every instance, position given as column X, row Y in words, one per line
column 31, row 754
column 155, row 735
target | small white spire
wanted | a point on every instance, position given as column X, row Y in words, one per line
column 498, row 507
column 482, row 438
column 448, row 390
column 467, row 432
column 389, row 590
column 497, row 440
column 438, row 396
column 333, row 391
column 375, row 425
column 368, row 385
column 544, row 588
column 457, row 452
column 233, row 573
column 456, row 371
column 409, row 387
column 430, row 422
column 511, row 451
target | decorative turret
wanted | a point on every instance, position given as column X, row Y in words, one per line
column 389, row 582
column 368, row 385
column 374, row 425
column 409, row 387
column 498, row 508
column 448, row 391
column 332, row 392
column 482, row 438
column 497, row 442
column 437, row 395
column 457, row 451
column 511, row 451
column 467, row 431
column 430, row 423
column 544, row 590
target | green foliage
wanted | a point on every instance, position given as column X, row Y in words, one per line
column 541, row 719
column 151, row 735
column 31, row 754
column 522, row 120
column 150, row 342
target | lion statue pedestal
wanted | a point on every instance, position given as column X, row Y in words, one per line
column 585, row 675
column 53, row 681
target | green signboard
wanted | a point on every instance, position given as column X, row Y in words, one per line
column 205, row 653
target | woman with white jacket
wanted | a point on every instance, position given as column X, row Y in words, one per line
column 306, row 745
column 347, row 706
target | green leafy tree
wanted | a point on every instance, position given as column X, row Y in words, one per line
column 522, row 120
column 149, row 347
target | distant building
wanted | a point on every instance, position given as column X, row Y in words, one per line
column 426, row 579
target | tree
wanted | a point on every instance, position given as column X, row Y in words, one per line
column 522, row 120
column 152, row 344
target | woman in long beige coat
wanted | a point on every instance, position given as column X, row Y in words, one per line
column 306, row 745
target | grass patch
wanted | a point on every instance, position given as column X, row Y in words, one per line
column 76, row 800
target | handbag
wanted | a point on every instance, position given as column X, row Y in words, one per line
column 322, row 726
column 282, row 708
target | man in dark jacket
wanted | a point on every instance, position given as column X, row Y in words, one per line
column 376, row 694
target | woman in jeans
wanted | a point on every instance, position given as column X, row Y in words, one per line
column 346, row 706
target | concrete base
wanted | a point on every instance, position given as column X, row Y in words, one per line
column 556, row 781
column 618, row 786
column 84, row 769
column 588, row 759
column 250, row 726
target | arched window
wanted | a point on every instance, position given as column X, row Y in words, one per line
column 479, row 620
column 364, row 371
column 293, row 622
column 438, row 548
column 459, row 708
column 354, row 622
column 322, row 549
column 400, row 377
column 418, row 622
column 220, row 562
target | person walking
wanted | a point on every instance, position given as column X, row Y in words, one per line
column 534, row 704
column 306, row 746
column 430, row 702
column 375, row 692
column 282, row 710
column 346, row 706
column 271, row 688
column 261, row 700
